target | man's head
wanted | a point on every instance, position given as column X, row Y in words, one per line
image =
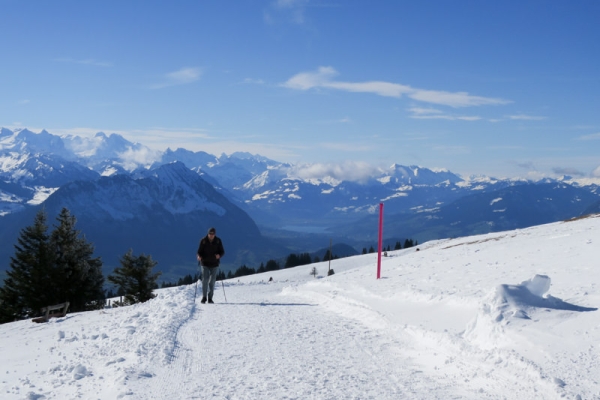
column 212, row 232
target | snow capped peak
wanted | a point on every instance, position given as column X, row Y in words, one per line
column 243, row 155
column 26, row 141
column 264, row 179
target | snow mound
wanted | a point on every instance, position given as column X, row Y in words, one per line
column 538, row 285
column 508, row 302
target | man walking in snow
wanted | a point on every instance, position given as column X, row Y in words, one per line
column 210, row 251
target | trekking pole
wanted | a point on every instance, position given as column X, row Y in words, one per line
column 223, row 285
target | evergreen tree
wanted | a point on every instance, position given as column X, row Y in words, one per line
column 398, row 246
column 243, row 271
column 77, row 275
column 188, row 280
column 294, row 260
column 291, row 261
column 272, row 265
column 261, row 268
column 25, row 290
column 135, row 278
column 304, row 259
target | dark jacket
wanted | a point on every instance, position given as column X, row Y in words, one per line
column 208, row 250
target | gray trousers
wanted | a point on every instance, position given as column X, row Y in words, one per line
column 209, row 277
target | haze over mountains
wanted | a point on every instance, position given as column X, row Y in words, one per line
column 125, row 195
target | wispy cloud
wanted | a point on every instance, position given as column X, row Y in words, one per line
column 523, row 117
column 432, row 113
column 324, row 78
column 24, row 101
column 183, row 76
column 86, row 61
column 593, row 136
column 289, row 10
column 252, row 81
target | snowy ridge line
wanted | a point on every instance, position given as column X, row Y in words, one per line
column 492, row 236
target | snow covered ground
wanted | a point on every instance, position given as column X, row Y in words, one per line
column 510, row 315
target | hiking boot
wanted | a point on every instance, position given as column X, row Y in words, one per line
column 203, row 300
column 210, row 301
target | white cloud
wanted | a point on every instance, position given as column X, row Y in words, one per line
column 355, row 171
column 324, row 78
column 181, row 77
column 458, row 99
column 376, row 87
column 309, row 80
column 596, row 173
column 133, row 158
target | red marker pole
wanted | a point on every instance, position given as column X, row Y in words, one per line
column 380, row 240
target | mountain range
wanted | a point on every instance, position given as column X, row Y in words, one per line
column 125, row 195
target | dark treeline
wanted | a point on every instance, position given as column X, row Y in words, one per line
column 398, row 246
column 51, row 268
column 292, row 260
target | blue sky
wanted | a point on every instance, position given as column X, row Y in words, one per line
column 501, row 88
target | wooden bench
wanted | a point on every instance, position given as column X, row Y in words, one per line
column 56, row 311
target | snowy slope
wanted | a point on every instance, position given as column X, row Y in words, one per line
column 509, row 315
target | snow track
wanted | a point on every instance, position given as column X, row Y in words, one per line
column 318, row 356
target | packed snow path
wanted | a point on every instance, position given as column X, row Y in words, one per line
column 292, row 346
column 285, row 348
